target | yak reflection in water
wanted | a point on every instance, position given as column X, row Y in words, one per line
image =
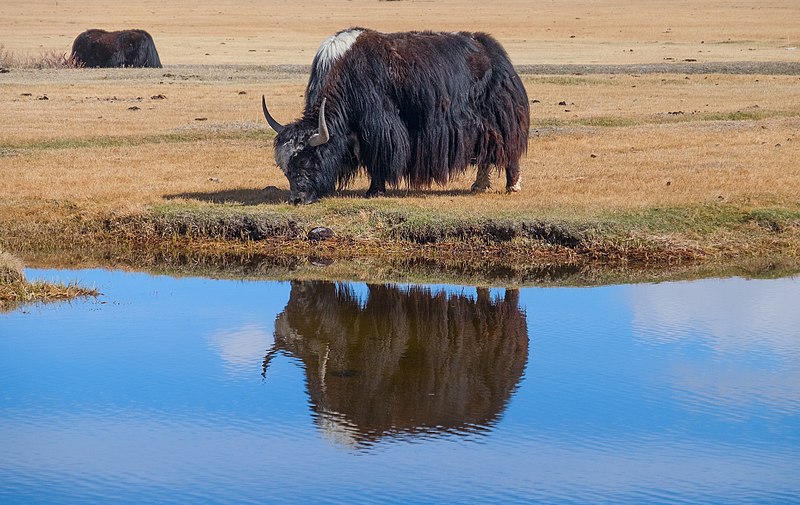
column 402, row 361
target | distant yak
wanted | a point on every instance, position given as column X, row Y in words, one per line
column 126, row 48
column 418, row 107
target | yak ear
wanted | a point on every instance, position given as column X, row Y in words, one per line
column 322, row 134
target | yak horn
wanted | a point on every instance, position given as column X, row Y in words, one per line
column 274, row 124
column 322, row 136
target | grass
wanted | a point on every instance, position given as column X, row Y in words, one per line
column 103, row 142
column 608, row 189
column 693, row 170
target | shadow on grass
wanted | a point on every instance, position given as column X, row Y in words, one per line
column 267, row 195
column 274, row 195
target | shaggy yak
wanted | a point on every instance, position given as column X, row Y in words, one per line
column 127, row 48
column 413, row 106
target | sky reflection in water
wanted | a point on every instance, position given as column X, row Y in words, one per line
column 176, row 390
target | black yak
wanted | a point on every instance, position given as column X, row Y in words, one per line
column 418, row 107
column 403, row 361
column 126, row 48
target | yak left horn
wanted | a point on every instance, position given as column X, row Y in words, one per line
column 274, row 124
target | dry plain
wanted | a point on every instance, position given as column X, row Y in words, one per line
column 662, row 132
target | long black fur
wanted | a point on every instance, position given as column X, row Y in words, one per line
column 418, row 107
column 126, row 48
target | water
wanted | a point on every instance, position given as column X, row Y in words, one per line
column 170, row 390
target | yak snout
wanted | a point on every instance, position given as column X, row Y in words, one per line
column 301, row 198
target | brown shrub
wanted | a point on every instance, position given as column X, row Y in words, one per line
column 47, row 58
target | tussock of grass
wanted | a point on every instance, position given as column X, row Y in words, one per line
column 11, row 269
column 15, row 289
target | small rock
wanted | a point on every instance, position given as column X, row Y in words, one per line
column 243, row 92
column 593, row 155
column 201, row 119
column 320, row 233
column 535, row 101
column 158, row 97
column 215, row 179
column 133, row 108
column 4, row 70
column 43, row 97
column 562, row 103
column 26, row 94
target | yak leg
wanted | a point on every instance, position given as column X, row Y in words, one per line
column 483, row 181
column 513, row 178
column 376, row 188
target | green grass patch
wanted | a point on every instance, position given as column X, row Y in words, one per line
column 105, row 142
column 598, row 121
column 569, row 80
column 625, row 122
column 706, row 219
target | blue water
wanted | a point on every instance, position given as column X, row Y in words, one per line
column 168, row 390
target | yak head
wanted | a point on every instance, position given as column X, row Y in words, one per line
column 304, row 157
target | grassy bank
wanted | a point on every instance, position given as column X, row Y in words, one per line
column 388, row 240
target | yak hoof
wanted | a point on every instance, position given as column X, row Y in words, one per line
column 516, row 188
column 483, row 182
column 480, row 187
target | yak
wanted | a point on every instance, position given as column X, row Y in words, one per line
column 419, row 107
column 126, row 48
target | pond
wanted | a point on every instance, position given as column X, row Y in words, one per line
column 179, row 390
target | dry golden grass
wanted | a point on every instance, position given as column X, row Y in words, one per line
column 561, row 31
column 106, row 140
